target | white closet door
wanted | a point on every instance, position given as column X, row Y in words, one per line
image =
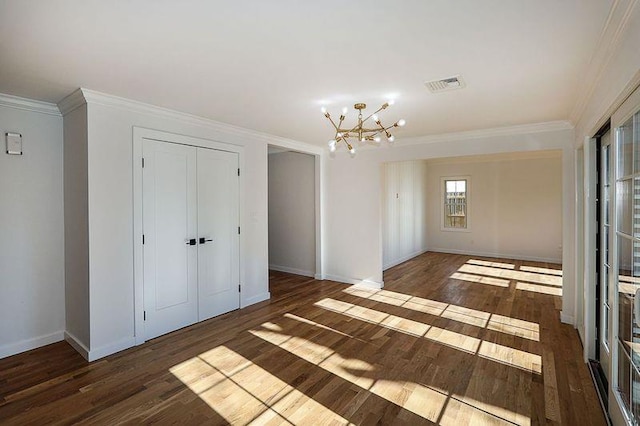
column 218, row 248
column 169, row 221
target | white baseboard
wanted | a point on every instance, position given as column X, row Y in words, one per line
column 111, row 348
column 292, row 270
column 77, row 345
column 355, row 281
column 402, row 259
column 28, row 344
column 498, row 255
column 319, row 277
column 256, row 299
column 566, row 319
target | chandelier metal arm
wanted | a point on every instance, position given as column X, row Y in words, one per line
column 331, row 120
column 374, row 113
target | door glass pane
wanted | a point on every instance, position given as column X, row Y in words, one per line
column 605, row 305
column 606, row 194
column 628, row 206
column 605, row 323
column 624, row 377
column 635, row 392
column 605, row 249
column 626, row 289
column 625, row 149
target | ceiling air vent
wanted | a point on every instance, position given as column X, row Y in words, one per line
column 442, row 85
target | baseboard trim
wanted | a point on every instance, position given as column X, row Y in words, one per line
column 365, row 283
column 497, row 255
column 566, row 319
column 403, row 259
column 256, row 299
column 319, row 277
column 28, row 344
column 111, row 348
column 292, row 270
column 77, row 345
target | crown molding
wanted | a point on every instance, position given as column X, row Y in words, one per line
column 25, row 104
column 71, row 102
column 86, row 96
column 610, row 37
column 500, row 156
column 522, row 129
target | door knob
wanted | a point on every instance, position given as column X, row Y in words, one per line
column 191, row 242
column 204, row 240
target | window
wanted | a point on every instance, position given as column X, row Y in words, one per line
column 455, row 203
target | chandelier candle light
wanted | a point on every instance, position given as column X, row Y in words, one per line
column 359, row 131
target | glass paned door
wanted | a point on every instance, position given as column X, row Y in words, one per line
column 626, row 368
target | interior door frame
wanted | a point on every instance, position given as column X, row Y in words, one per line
column 140, row 134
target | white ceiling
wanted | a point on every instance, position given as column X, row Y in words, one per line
column 270, row 65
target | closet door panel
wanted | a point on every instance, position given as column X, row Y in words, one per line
column 218, row 221
column 169, row 221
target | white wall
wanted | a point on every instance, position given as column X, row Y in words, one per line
column 31, row 229
column 292, row 222
column 404, row 211
column 515, row 206
column 353, row 191
column 76, row 228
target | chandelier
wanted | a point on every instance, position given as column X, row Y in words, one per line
column 359, row 131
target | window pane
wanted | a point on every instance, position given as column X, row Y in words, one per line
column 628, row 283
column 629, row 206
column 455, row 204
column 605, row 244
column 625, row 148
column 605, row 285
column 605, row 325
column 607, row 202
column 624, row 378
column 606, row 184
column 635, row 393
column 636, row 141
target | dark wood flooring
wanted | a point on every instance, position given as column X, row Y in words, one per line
column 451, row 340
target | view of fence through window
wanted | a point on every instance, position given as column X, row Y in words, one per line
column 455, row 204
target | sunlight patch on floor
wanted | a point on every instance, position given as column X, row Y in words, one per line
column 491, row 264
column 393, row 322
column 499, row 353
column 428, row 407
column 509, row 356
column 512, row 275
column 507, row 325
column 543, row 289
column 480, row 279
column 539, row 270
column 429, row 402
column 244, row 393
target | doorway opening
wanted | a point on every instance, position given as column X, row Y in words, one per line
column 292, row 204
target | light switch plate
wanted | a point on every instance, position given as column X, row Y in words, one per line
column 14, row 143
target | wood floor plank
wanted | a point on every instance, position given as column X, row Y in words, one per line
column 450, row 340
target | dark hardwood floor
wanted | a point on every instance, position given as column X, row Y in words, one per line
column 451, row 340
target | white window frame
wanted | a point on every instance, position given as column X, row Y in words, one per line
column 443, row 179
